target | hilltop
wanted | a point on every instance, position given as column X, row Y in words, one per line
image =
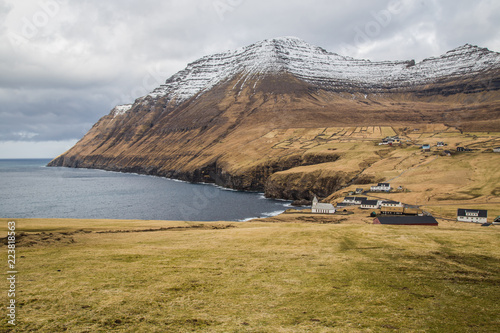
column 249, row 118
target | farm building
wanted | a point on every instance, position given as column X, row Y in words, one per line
column 407, row 210
column 391, row 204
column 353, row 200
column 472, row 215
column 496, row 150
column 381, row 187
column 370, row 204
column 406, row 220
column 392, row 210
column 441, row 144
column 322, row 208
column 426, row 147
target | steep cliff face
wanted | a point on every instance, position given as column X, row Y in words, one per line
column 214, row 121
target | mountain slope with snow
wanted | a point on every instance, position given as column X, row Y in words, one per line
column 324, row 69
column 218, row 119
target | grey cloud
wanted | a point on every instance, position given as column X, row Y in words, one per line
column 93, row 54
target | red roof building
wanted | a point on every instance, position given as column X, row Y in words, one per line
column 406, row 220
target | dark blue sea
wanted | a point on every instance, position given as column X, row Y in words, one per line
column 29, row 189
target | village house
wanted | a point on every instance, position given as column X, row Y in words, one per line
column 381, row 187
column 426, row 147
column 472, row 215
column 391, row 204
column 353, row 201
column 496, row 150
column 441, row 144
column 392, row 210
column 406, row 210
column 370, row 204
column 497, row 220
column 321, row 208
column 359, row 190
column 390, row 140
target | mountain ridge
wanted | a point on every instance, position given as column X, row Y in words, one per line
column 321, row 68
column 210, row 122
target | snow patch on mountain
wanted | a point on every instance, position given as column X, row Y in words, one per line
column 321, row 68
column 120, row 110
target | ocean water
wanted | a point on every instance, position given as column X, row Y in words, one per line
column 29, row 189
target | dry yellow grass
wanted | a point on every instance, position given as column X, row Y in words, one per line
column 256, row 277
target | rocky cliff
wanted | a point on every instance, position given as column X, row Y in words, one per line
column 219, row 119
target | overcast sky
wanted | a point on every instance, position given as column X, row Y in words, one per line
column 66, row 63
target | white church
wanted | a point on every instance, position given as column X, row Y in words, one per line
column 321, row 208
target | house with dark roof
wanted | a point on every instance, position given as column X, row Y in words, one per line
column 406, row 220
column 353, row 201
column 381, row 187
column 370, row 204
column 390, row 203
column 472, row 215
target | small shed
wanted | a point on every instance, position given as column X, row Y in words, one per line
column 406, row 220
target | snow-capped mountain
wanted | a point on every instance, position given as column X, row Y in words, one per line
column 324, row 69
column 218, row 119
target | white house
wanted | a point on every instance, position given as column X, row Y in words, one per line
column 381, row 187
column 322, row 208
column 354, row 200
column 496, row 150
column 370, row 204
column 472, row 215
column 391, row 204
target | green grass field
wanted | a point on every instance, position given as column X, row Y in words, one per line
column 254, row 277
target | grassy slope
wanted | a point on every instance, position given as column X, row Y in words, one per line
column 440, row 183
column 257, row 277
